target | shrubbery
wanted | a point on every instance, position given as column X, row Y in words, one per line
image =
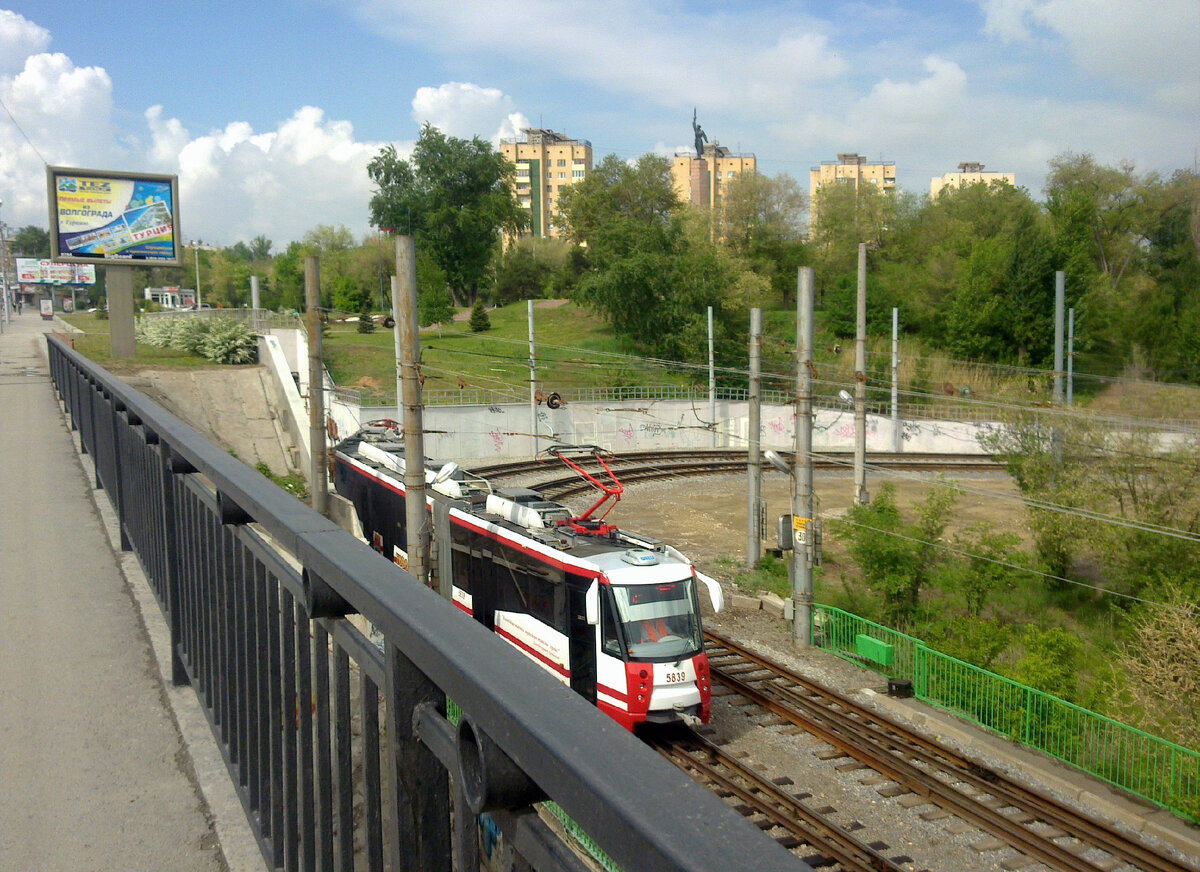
column 220, row 340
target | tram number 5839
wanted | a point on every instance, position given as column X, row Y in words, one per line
column 676, row 677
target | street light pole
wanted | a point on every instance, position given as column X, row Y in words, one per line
column 4, row 271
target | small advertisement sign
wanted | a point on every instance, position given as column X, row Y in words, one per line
column 113, row 217
column 31, row 271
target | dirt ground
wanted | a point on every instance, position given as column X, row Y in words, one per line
column 705, row 517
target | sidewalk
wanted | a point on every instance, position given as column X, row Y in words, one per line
column 94, row 771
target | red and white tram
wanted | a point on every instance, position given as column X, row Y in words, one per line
column 614, row 615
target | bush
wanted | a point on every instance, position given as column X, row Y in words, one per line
column 220, row 340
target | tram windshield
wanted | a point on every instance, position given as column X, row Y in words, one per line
column 658, row 621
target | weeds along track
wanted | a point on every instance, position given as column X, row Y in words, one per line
column 808, row 833
column 1029, row 821
column 548, row 477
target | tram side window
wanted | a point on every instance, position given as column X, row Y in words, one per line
column 461, row 569
column 520, row 591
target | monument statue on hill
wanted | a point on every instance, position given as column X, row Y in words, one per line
column 701, row 138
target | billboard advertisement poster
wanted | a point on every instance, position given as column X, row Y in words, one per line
column 31, row 270
column 100, row 216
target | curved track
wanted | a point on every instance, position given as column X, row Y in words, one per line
column 552, row 480
column 1003, row 807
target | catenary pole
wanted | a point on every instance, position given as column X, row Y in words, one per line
column 896, row 441
column 860, row 382
column 1070, row 355
column 316, row 386
column 533, row 421
column 802, row 469
column 712, row 382
column 415, row 515
column 754, row 457
column 1059, row 294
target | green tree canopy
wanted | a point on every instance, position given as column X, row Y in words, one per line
column 30, row 241
column 455, row 196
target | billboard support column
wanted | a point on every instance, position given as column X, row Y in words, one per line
column 119, row 285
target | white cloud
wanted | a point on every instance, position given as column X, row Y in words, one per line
column 19, row 39
column 1145, row 44
column 465, row 110
column 751, row 60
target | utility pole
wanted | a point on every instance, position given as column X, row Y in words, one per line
column 533, row 420
column 1070, row 355
column 896, row 441
column 318, row 477
column 1059, row 295
column 754, row 461
column 860, row 383
column 416, row 522
column 802, row 470
column 712, row 382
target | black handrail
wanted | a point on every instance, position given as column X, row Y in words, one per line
column 255, row 586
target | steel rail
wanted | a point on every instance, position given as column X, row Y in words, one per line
column 711, row 765
column 895, row 751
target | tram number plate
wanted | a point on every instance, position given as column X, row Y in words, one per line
column 676, row 677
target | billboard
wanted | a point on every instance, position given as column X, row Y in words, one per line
column 102, row 216
column 31, row 271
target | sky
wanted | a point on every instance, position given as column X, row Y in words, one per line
column 269, row 113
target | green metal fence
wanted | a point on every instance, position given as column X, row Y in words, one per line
column 1153, row 768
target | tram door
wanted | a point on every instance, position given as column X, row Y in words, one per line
column 583, row 643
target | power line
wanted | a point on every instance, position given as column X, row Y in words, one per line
column 23, row 133
column 1016, row 566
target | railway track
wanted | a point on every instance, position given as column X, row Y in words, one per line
column 652, row 465
column 798, row 827
column 1023, row 818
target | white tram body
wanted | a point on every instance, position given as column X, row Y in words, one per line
column 611, row 614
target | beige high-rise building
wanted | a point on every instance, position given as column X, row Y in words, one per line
column 547, row 164
column 848, row 169
column 969, row 173
column 701, row 181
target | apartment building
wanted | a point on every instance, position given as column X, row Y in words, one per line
column 702, row 180
column 969, row 173
column 547, row 164
column 848, row 169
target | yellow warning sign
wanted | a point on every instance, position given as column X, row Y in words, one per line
column 799, row 523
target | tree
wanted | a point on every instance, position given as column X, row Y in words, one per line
column 455, row 197
column 480, row 321
column 641, row 193
column 30, row 241
column 758, row 210
column 1158, row 670
column 652, row 272
column 761, row 219
column 897, row 558
column 521, row 276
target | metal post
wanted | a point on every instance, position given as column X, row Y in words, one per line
column 860, row 383
column 712, row 382
column 255, row 303
column 396, row 332
column 196, row 251
column 896, row 441
column 416, row 518
column 4, row 272
column 533, row 418
column 1070, row 355
column 802, row 470
column 754, row 460
column 316, row 385
column 1059, row 293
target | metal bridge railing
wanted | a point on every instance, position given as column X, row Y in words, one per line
column 1160, row 771
column 333, row 741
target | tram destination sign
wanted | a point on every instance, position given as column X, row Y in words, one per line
column 111, row 217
